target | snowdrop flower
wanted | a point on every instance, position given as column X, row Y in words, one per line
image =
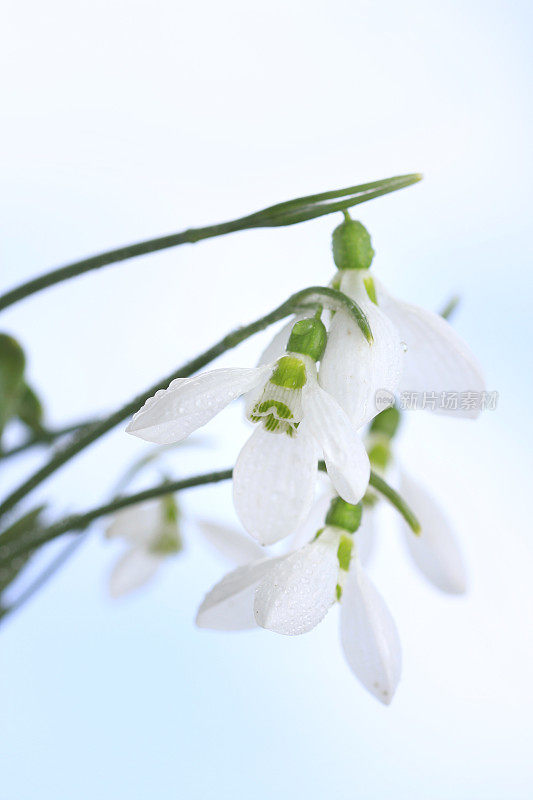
column 296, row 420
column 435, row 550
column 151, row 531
column 291, row 594
column 415, row 351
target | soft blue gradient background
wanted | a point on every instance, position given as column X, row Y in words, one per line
column 126, row 120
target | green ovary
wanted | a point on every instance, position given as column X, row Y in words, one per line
column 167, row 542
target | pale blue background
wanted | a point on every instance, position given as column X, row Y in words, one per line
column 126, row 120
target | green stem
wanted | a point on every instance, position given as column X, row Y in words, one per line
column 14, row 546
column 89, row 435
column 397, row 501
column 45, row 437
column 392, row 496
column 288, row 213
column 449, row 308
column 20, row 544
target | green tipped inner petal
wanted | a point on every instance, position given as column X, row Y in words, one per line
column 370, row 287
column 289, row 373
column 344, row 552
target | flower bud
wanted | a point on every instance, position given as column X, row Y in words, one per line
column 309, row 337
column 352, row 248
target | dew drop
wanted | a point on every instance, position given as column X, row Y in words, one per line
column 404, row 346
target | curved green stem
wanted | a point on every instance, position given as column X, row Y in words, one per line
column 19, row 543
column 288, row 213
column 392, row 496
column 90, row 434
column 397, row 501
column 16, row 545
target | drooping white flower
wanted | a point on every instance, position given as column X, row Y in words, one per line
column 152, row 533
column 291, row 594
column 416, row 352
column 275, row 474
column 352, row 370
column 435, row 551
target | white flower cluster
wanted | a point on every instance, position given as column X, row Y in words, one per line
column 311, row 396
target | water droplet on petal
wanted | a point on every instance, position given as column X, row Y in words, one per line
column 404, row 346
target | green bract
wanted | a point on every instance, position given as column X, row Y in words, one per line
column 352, row 248
column 309, row 337
column 344, row 515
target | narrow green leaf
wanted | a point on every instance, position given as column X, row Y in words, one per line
column 20, row 530
column 290, row 212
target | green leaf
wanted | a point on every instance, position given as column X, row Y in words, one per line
column 12, row 363
column 29, row 409
column 10, row 568
column 311, row 206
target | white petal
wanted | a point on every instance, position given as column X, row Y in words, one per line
column 369, row 636
column 365, row 536
column 315, row 519
column 138, row 524
column 230, row 543
column 229, row 605
column 298, row 591
column 437, row 359
column 133, row 570
column 188, row 403
column 273, row 483
column 354, row 371
column 270, row 354
column 344, row 452
column 435, row 551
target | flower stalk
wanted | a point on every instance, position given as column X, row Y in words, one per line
column 309, row 297
column 14, row 545
column 291, row 212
